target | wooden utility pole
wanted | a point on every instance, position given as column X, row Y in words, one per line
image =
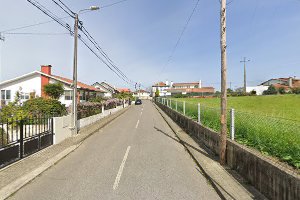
column 223, row 135
column 245, row 82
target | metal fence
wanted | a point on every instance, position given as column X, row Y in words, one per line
column 270, row 135
column 22, row 137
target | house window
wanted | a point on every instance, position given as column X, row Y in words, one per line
column 82, row 96
column 5, row 94
column 24, row 96
column 68, row 95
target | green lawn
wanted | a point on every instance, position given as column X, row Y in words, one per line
column 283, row 106
column 270, row 124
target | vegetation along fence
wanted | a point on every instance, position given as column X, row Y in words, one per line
column 22, row 137
column 270, row 135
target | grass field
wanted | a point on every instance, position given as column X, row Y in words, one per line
column 283, row 106
column 270, row 124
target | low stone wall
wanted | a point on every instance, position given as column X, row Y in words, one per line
column 272, row 179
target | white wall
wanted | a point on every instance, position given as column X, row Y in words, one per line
column 62, row 128
column 28, row 84
column 259, row 89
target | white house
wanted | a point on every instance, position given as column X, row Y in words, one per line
column 162, row 88
column 106, row 87
column 141, row 94
column 32, row 85
column 258, row 89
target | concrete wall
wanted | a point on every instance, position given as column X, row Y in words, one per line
column 62, row 128
column 92, row 119
column 62, row 125
column 271, row 178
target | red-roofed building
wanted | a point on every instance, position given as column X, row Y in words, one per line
column 126, row 90
column 32, row 85
column 190, row 88
column 286, row 83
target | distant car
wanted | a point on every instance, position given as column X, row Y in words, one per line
column 138, row 102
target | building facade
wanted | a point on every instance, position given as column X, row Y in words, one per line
column 31, row 85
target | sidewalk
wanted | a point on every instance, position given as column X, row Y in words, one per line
column 227, row 183
column 16, row 175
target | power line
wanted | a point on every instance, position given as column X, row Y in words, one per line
column 111, row 66
column 93, row 41
column 180, row 36
column 112, row 4
column 12, row 33
column 64, row 9
column 49, row 21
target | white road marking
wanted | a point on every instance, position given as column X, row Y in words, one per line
column 116, row 184
column 137, row 124
column 141, row 113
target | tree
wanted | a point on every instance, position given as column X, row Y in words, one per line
column 54, row 90
column 271, row 90
column 229, row 90
column 281, row 90
column 157, row 93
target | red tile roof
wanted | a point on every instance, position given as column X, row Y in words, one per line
column 124, row 90
column 190, row 90
column 160, row 84
column 80, row 84
column 185, row 84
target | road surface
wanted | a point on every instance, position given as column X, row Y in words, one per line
column 134, row 157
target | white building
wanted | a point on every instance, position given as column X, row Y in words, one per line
column 162, row 88
column 31, row 85
column 258, row 89
column 141, row 94
column 107, row 88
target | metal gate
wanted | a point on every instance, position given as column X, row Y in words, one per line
column 20, row 138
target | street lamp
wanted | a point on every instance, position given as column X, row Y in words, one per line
column 74, row 96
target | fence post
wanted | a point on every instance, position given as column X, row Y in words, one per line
column 167, row 102
column 102, row 109
column 171, row 103
column 199, row 114
column 21, row 138
column 176, row 105
column 184, row 108
column 232, row 124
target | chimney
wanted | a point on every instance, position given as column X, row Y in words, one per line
column 200, row 84
column 46, row 69
column 290, row 82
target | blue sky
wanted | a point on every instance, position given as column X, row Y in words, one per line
column 139, row 35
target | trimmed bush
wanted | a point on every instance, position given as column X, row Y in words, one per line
column 41, row 106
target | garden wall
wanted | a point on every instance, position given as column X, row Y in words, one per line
column 61, row 125
column 271, row 178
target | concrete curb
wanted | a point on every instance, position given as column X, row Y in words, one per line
column 19, row 183
column 14, row 186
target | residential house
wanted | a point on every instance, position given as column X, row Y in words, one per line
column 107, row 88
column 141, row 94
column 191, row 89
column 32, row 85
column 126, row 90
column 162, row 88
column 286, row 83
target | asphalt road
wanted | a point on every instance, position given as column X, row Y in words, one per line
column 134, row 157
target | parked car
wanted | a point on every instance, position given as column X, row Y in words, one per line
column 138, row 102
